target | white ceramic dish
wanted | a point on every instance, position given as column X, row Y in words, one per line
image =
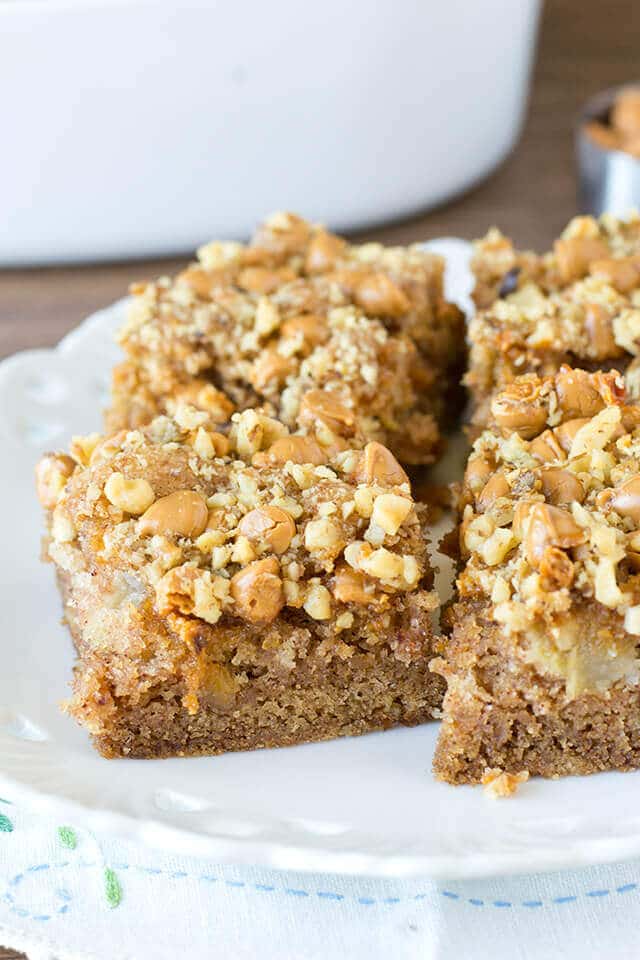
column 139, row 127
column 367, row 805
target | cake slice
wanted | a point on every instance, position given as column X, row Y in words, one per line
column 579, row 304
column 542, row 662
column 229, row 588
column 297, row 313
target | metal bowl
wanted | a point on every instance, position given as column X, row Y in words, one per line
column 609, row 180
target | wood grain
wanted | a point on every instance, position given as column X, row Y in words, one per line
column 584, row 47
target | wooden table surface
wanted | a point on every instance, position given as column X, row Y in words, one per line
column 584, row 47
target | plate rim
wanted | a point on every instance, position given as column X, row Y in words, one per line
column 546, row 853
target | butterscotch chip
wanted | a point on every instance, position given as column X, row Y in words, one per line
column 623, row 273
column 561, row 486
column 311, row 328
column 541, row 525
column 321, row 405
column 293, row 449
column 599, row 327
column 257, row 591
column 497, row 486
column 323, row 252
column 351, row 586
column 184, row 513
column 518, row 409
column 379, row 465
column 264, row 280
column 378, row 295
column 575, row 255
column 269, row 525
column 271, row 368
column 547, row 446
column 225, row 616
column 566, row 432
column 477, row 473
column 577, row 396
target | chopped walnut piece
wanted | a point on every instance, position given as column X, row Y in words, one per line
column 498, row 783
column 131, row 496
column 625, row 499
column 324, row 538
column 390, row 511
column 575, row 254
column 190, row 591
column 52, row 473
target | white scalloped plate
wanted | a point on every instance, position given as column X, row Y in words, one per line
column 367, row 805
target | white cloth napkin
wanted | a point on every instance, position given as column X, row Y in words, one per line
column 66, row 893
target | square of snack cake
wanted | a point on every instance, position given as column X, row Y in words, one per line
column 542, row 661
column 228, row 589
column 295, row 312
column 579, row 304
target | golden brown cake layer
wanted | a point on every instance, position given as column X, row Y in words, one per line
column 298, row 310
column 239, row 587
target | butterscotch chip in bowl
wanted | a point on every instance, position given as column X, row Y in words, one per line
column 209, row 594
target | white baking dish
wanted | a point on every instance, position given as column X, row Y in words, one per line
column 137, row 127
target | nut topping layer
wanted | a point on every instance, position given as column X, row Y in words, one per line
column 579, row 304
column 356, row 341
column 245, row 522
column 551, row 523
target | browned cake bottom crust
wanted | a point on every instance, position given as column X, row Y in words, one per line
column 498, row 713
column 349, row 703
column 318, row 701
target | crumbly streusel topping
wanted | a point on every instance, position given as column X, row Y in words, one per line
column 297, row 309
column 241, row 522
column 579, row 303
column 551, row 521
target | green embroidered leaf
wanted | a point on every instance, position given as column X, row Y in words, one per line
column 2, row 800
column 68, row 837
column 112, row 888
column 5, row 824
